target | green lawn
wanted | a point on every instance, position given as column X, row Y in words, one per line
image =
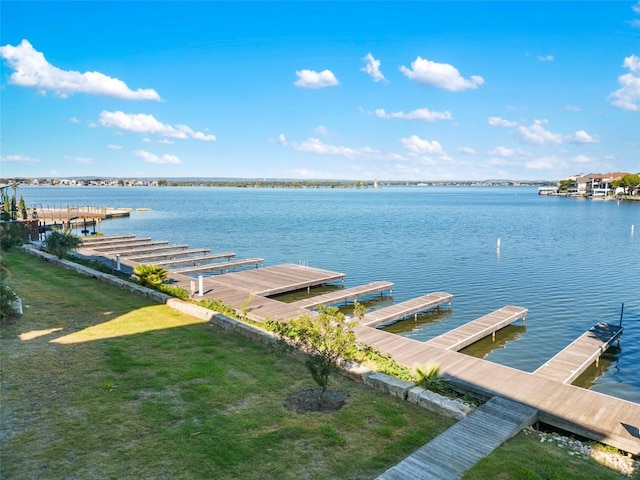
column 99, row 383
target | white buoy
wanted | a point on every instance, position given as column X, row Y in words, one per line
column 498, row 243
column 117, row 262
column 200, row 285
column 632, row 228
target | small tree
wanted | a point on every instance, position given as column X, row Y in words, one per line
column 61, row 243
column 23, row 208
column 329, row 341
column 150, row 275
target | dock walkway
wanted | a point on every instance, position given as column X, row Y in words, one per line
column 195, row 260
column 344, row 295
column 128, row 245
column 471, row 332
column 568, row 364
column 126, row 252
column 170, row 255
column 220, row 267
column 457, row 449
column 401, row 310
column 100, row 240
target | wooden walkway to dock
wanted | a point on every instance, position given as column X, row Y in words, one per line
column 568, row 364
column 590, row 414
column 344, row 295
column 454, row 451
column 471, row 332
column 402, row 310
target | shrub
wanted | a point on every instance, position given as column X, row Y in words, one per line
column 150, row 275
column 10, row 235
column 61, row 243
column 429, row 377
column 7, row 295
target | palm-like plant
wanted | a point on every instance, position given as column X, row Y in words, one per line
column 150, row 275
column 61, row 243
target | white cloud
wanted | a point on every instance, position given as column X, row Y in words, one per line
column 18, row 159
column 372, row 68
column 282, row 139
column 627, row 96
column 74, row 120
column 313, row 79
column 572, row 108
column 500, row 122
column 635, row 23
column 83, row 160
column 315, row 145
column 321, row 130
column 418, row 114
column 537, row 134
column 583, row 137
column 166, row 141
column 545, row 58
column 440, row 75
column 418, row 145
column 505, row 152
column 143, row 123
column 543, row 163
column 31, row 69
column 153, row 158
column 468, row 150
column 114, row 147
column 580, row 159
column 636, row 7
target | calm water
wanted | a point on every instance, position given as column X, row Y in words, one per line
column 571, row 262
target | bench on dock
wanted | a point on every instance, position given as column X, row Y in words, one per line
column 402, row 310
column 220, row 267
column 568, row 364
column 344, row 295
column 471, row 332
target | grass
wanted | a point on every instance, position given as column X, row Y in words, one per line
column 99, row 383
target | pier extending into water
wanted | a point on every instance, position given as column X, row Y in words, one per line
column 587, row 413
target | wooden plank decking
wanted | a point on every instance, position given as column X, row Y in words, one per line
column 471, row 332
column 117, row 247
column 568, row 364
column 599, row 417
column 169, row 255
column 195, row 260
column 220, row 267
column 125, row 252
column 401, row 310
column 104, row 238
column 345, row 295
column 454, row 451
column 120, row 241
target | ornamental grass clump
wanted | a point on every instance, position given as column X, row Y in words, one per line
column 151, row 276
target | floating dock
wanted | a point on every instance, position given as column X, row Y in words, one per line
column 570, row 363
column 170, row 255
column 471, row 332
column 402, row 310
column 345, row 295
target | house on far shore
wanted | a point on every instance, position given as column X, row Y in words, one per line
column 593, row 185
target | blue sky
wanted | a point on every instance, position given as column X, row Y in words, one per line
column 320, row 90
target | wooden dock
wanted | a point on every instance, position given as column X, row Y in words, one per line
column 471, row 332
column 344, row 295
column 126, row 252
column 195, row 260
column 170, row 255
column 587, row 413
column 88, row 241
column 219, row 267
column 116, row 241
column 119, row 247
column 590, row 414
column 402, row 310
column 568, row 364
column 457, row 449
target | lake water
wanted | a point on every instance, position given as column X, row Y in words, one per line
column 571, row 262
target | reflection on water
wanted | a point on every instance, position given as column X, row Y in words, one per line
column 484, row 347
column 608, row 363
column 413, row 324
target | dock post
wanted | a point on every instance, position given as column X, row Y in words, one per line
column 200, row 286
column 621, row 312
column 117, row 262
